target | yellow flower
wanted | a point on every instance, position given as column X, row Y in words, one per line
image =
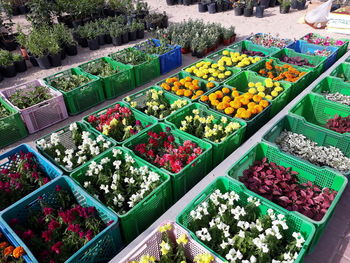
column 268, row 97
column 274, row 93
column 252, row 90
column 225, row 52
column 114, row 122
column 182, row 239
column 165, row 228
column 228, row 73
column 251, row 85
column 134, row 104
column 164, row 248
column 203, row 258
column 261, row 89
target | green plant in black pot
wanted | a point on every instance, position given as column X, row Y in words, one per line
column 41, row 12
column 141, row 9
column 20, row 63
column 248, row 8
column 116, row 32
column 7, row 66
column 284, row 6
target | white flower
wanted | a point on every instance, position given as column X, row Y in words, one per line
column 116, row 152
column 117, row 164
column 73, row 126
column 104, row 188
column 87, row 184
column 129, row 159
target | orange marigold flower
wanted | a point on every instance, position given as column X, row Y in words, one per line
column 3, row 244
column 180, row 92
column 204, row 98
column 188, row 78
column 225, row 90
column 188, row 93
column 210, row 85
column 8, row 251
column 229, row 110
column 219, row 94
column 18, row 252
column 264, row 103
column 213, row 96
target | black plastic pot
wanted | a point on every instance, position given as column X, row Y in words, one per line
column 108, row 39
column 294, row 4
column 55, row 60
column 101, row 40
column 212, row 8
column 238, row 11
column 259, row 11
column 132, row 36
column 21, row 66
column 272, row 3
column 225, row 6
column 194, row 53
column 170, row 2
column 23, row 9
column 43, row 62
column 77, row 23
column 284, row 9
column 9, row 43
column 202, row 8
column 187, row 2
column 1, row 77
column 140, row 34
column 164, row 22
column 265, row 3
column 32, row 60
column 125, row 37
column 82, row 42
column 117, row 41
column 66, row 19
column 71, row 50
column 301, row 4
column 93, row 44
column 219, row 7
column 200, row 54
column 63, row 54
column 335, row 7
column 247, row 12
column 9, row 71
column 15, row 10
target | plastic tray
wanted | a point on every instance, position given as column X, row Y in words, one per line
column 332, row 85
column 153, row 205
column 320, row 176
column 83, row 97
column 343, row 68
column 248, row 45
column 141, row 96
column 224, row 184
column 240, row 82
column 321, row 136
column 145, row 120
column 43, row 114
column 151, row 245
column 220, row 150
column 12, row 128
column 100, row 249
column 192, row 173
column 118, row 83
column 288, row 41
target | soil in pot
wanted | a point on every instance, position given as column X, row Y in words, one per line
column 259, row 11
column 301, row 4
column 101, row 40
column 248, row 12
column 21, row 66
column 117, row 41
column 9, row 71
column 56, row 60
column 212, row 8
column 140, row 34
column 202, row 8
column 284, row 9
column 71, row 50
column 43, row 62
column 108, row 39
column 93, row 44
column 238, row 11
column 125, row 37
column 132, row 36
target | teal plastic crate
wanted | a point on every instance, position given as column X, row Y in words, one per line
column 153, row 205
column 141, row 96
column 246, row 45
column 102, row 248
column 225, row 184
column 83, row 97
column 143, row 72
column 315, row 110
column 321, row 136
column 116, row 84
column 147, row 121
column 342, row 71
column 317, row 61
column 322, row 177
column 297, row 86
column 222, row 149
column 193, row 172
column 181, row 75
column 240, row 82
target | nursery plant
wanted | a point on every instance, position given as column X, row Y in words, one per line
column 68, row 83
column 150, row 47
column 338, row 97
column 9, row 253
column 234, row 59
column 24, row 99
column 4, row 112
column 100, row 68
column 298, row 61
column 323, row 41
column 268, row 40
column 339, row 124
column 132, row 56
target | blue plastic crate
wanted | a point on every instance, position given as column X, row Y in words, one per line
column 304, row 47
column 50, row 170
column 102, row 248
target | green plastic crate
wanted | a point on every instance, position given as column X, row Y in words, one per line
column 343, row 68
column 247, row 45
column 118, row 83
column 322, row 177
column 12, row 127
column 225, row 184
column 254, row 124
column 316, row 111
column 347, row 60
column 317, row 61
column 297, row 86
column 65, row 137
column 144, row 72
column 148, row 121
column 234, row 70
column 240, row 82
column 218, row 55
column 140, row 98
column 192, row 173
column 153, row 205
column 321, row 136
column 80, row 98
column 220, row 150
column 181, row 75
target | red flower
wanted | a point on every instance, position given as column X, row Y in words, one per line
column 29, row 234
column 47, row 235
column 58, row 188
column 53, row 225
column 48, row 210
column 74, row 228
column 57, row 247
column 89, row 234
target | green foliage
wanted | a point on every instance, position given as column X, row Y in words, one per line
column 68, row 83
column 6, row 58
column 24, row 99
column 131, row 56
column 100, row 68
column 3, row 112
column 150, row 47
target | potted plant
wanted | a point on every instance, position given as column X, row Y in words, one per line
column 212, row 8
column 116, row 34
column 7, row 67
column 239, row 7
column 301, row 4
column 92, row 37
column 55, row 56
column 203, row 6
column 260, row 9
column 285, row 6
column 272, row 3
column 248, row 9
column 187, row 2
column 21, row 39
column 264, row 3
column 294, row 4
column 219, row 5
column 65, row 40
column 133, row 31
column 20, row 63
column 140, row 32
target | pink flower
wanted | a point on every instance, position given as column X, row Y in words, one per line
column 29, row 234
column 46, row 180
column 57, row 247
column 89, row 234
column 53, row 225
column 47, row 235
column 48, row 210
column 74, row 228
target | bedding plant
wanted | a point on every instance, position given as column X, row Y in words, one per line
column 338, row 97
column 131, row 56
column 24, row 99
column 323, row 41
column 9, row 253
column 150, row 47
column 209, row 71
column 100, row 68
column 235, row 59
column 3, row 112
column 268, row 40
column 339, row 124
column 68, row 83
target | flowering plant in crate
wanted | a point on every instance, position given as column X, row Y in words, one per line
column 339, row 124
column 55, row 233
column 20, row 177
column 299, row 145
column 236, row 59
column 24, row 99
column 117, row 183
column 82, row 147
column 171, row 251
column 229, row 101
column 337, row 97
column 240, row 233
column 162, row 151
column 321, row 53
column 285, row 72
column 296, row 60
column 118, row 123
column 323, row 41
column 9, row 253
column 157, row 105
column 208, row 127
column 209, row 71
column 280, row 185
column 269, row 89
column 268, row 40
